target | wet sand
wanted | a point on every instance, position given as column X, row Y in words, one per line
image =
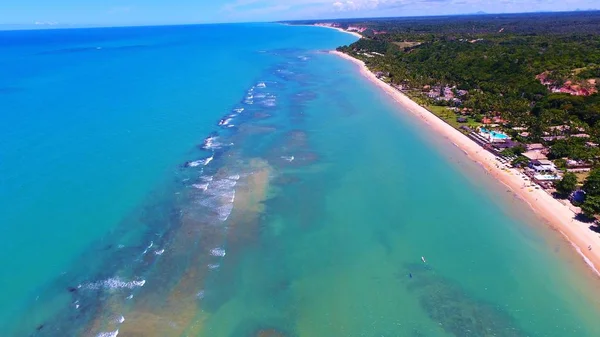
column 560, row 216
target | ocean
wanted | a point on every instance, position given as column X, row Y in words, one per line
column 237, row 180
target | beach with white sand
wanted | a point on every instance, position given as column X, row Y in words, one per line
column 560, row 215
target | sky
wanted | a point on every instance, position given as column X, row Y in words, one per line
column 148, row 12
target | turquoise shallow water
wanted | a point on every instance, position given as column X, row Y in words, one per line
column 232, row 180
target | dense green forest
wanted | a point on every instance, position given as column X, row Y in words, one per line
column 538, row 73
column 498, row 61
column 524, row 23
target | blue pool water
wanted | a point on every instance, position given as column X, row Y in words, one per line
column 494, row 134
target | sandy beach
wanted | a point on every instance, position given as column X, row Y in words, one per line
column 558, row 215
column 340, row 30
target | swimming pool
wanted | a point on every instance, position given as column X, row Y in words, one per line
column 546, row 177
column 494, row 134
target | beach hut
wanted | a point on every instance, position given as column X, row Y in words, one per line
column 534, row 155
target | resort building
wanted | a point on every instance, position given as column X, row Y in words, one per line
column 543, row 172
column 546, row 180
column 493, row 136
column 553, row 138
column 534, row 155
column 535, row 151
column 543, row 166
column 535, row 146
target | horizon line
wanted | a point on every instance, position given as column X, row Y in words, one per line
column 58, row 26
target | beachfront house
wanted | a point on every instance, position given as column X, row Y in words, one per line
column 578, row 165
column 534, row 155
column 543, row 172
column 535, row 151
column 543, row 166
column 535, row 146
column 433, row 93
column 553, row 138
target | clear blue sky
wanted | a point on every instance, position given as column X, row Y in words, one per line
column 141, row 12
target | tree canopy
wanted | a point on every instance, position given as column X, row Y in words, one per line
column 567, row 184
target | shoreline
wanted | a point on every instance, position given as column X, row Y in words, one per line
column 355, row 34
column 558, row 215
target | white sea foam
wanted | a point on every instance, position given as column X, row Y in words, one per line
column 285, row 72
column 202, row 187
column 202, row 162
column 249, row 99
column 269, row 102
column 225, row 211
column 220, row 195
column 261, row 85
column 108, row 334
column 225, row 121
column 147, row 248
column 213, row 266
column 238, row 110
column 303, row 58
column 211, row 143
column 200, row 294
column 288, row 158
column 587, row 261
column 129, row 297
column 114, row 283
column 159, row 252
column 221, row 187
column 120, row 319
column 217, row 252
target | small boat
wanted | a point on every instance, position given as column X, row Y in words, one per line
column 423, row 258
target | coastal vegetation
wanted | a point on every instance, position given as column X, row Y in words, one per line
column 534, row 77
column 567, row 184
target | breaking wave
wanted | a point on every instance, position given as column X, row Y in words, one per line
column 108, row 334
column 220, row 252
column 113, row 283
